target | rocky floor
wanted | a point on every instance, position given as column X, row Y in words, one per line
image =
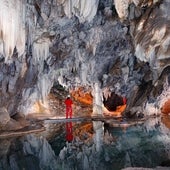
column 55, row 112
column 19, row 125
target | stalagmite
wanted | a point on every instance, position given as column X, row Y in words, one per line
column 97, row 100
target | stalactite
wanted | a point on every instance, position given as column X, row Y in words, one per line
column 12, row 27
column 41, row 50
column 31, row 22
column 44, row 86
column 83, row 9
column 40, row 54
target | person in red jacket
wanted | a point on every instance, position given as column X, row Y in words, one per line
column 124, row 100
column 68, row 102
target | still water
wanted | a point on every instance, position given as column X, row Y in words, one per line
column 89, row 145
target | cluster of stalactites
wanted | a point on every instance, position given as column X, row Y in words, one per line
column 122, row 6
column 40, row 55
column 12, row 27
column 85, row 10
column 152, row 37
column 41, row 49
column 151, row 33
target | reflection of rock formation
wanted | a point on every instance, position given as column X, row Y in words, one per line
column 88, row 141
column 29, row 152
column 5, row 157
column 98, row 127
column 40, row 148
column 92, row 148
column 113, row 148
column 166, row 121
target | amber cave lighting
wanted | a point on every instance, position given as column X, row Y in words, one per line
column 166, row 107
column 116, row 113
column 82, row 96
column 114, row 105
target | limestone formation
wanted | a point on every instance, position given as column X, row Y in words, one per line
column 94, row 44
column 4, row 116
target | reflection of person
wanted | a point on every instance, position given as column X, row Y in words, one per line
column 69, row 132
column 68, row 102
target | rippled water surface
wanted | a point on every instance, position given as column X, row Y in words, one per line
column 81, row 145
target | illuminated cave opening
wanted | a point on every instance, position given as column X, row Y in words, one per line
column 166, row 107
column 82, row 97
column 114, row 104
column 113, row 101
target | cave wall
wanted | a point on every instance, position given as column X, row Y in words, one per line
column 120, row 45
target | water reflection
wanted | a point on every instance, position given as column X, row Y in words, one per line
column 69, row 131
column 98, row 127
column 29, row 152
column 89, row 145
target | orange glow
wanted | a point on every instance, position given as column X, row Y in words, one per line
column 85, row 97
column 39, row 108
column 166, row 107
column 84, row 129
column 166, row 121
column 116, row 113
column 82, row 96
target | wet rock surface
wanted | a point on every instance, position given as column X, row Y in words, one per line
column 4, row 116
column 123, row 46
